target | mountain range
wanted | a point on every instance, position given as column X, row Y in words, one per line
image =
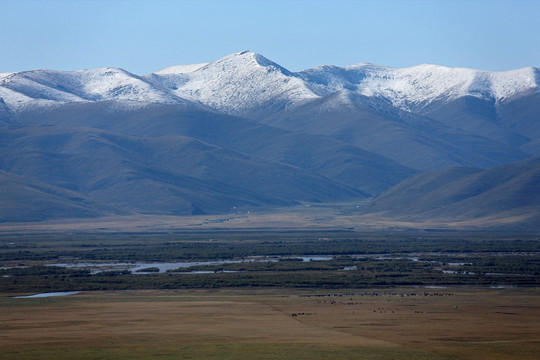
column 245, row 133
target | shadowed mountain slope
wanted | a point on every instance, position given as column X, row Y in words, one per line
column 28, row 200
column 171, row 175
column 368, row 172
column 461, row 193
column 413, row 140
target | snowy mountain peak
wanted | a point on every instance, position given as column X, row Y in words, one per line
column 238, row 83
column 246, row 60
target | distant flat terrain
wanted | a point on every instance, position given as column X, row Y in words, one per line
column 340, row 217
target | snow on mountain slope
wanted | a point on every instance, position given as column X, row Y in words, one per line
column 117, row 84
column 237, row 83
column 508, row 83
column 4, row 75
column 180, row 69
column 172, row 77
column 40, row 85
column 50, row 87
column 15, row 100
column 415, row 87
column 245, row 82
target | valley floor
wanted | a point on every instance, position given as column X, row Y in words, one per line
column 398, row 323
column 269, row 294
column 312, row 217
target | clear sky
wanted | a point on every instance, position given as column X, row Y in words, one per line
column 145, row 36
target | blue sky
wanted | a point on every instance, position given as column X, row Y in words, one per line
column 145, row 36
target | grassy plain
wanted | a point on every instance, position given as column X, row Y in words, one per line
column 407, row 323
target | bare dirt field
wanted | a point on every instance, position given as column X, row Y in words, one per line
column 408, row 323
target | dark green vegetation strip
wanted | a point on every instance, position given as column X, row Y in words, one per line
column 466, row 259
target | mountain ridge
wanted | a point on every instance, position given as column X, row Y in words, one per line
column 243, row 131
column 407, row 88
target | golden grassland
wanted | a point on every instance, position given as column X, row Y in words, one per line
column 275, row 324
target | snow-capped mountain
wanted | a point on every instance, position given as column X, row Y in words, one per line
column 237, row 84
column 50, row 87
column 244, row 131
column 246, row 82
column 416, row 87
